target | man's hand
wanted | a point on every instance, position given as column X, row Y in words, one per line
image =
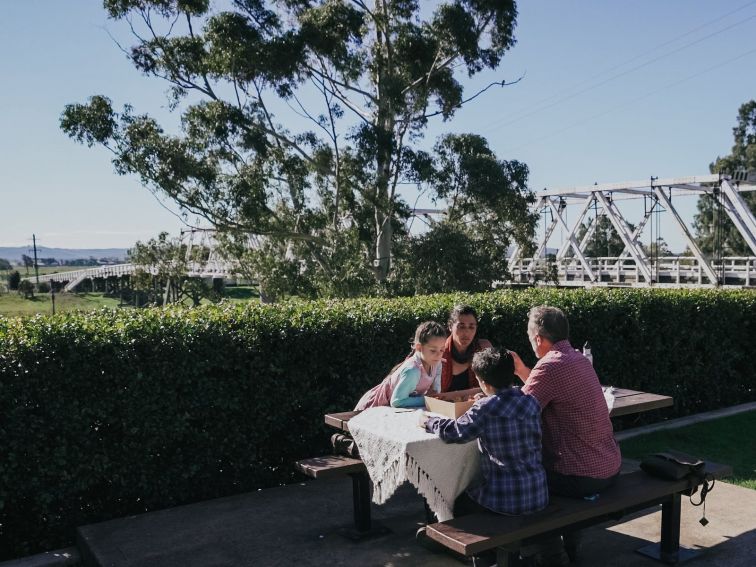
column 520, row 369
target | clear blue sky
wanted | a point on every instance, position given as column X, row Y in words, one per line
column 610, row 91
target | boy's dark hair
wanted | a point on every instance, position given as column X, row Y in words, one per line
column 494, row 367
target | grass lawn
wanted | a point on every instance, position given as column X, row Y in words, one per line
column 240, row 294
column 728, row 440
column 13, row 305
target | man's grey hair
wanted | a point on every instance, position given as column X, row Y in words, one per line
column 549, row 322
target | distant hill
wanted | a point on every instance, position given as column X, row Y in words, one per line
column 13, row 254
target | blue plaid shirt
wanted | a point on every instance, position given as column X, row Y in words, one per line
column 508, row 429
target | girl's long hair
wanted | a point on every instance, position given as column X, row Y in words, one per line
column 423, row 334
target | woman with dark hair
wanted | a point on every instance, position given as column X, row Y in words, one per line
column 461, row 345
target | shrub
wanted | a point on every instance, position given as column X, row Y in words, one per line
column 26, row 288
column 112, row 413
column 14, row 278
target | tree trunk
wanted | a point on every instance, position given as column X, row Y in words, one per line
column 383, row 226
column 384, row 124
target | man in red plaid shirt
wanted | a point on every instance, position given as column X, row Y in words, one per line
column 580, row 454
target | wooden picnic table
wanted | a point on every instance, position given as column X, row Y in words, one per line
column 626, row 402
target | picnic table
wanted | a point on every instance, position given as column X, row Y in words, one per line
column 626, row 402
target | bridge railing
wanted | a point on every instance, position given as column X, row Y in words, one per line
column 668, row 270
column 737, row 271
column 212, row 268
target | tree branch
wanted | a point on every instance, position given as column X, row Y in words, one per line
column 324, row 79
column 502, row 83
column 338, row 83
column 479, row 31
column 210, row 91
column 271, row 130
column 365, row 8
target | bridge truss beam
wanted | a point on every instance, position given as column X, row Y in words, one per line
column 573, row 267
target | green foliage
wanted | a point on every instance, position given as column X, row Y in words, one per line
column 14, row 278
column 477, row 185
column 714, row 230
column 364, row 80
column 112, row 413
column 605, row 240
column 448, row 257
column 26, row 288
column 5, row 265
column 163, row 264
column 28, row 262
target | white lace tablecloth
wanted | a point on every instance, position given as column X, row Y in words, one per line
column 395, row 450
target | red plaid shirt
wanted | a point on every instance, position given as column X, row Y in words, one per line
column 577, row 433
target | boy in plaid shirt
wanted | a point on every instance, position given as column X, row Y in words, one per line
column 507, row 425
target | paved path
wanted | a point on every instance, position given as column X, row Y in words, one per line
column 297, row 524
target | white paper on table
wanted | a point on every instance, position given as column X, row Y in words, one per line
column 609, row 396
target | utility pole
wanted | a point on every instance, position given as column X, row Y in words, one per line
column 36, row 268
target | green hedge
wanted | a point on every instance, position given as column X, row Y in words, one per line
column 111, row 413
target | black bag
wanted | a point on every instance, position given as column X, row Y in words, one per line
column 344, row 445
column 673, row 465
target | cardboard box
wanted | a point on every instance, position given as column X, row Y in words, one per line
column 445, row 404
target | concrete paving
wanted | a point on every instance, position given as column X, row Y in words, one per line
column 298, row 525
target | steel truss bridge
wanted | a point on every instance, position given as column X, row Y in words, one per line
column 570, row 266
column 71, row 279
column 214, row 267
column 634, row 267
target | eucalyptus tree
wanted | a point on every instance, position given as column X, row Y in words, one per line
column 715, row 233
column 300, row 119
column 488, row 206
column 163, row 265
column 28, row 262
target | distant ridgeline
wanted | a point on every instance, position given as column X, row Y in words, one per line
column 64, row 256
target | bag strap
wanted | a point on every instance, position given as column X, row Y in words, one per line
column 705, row 489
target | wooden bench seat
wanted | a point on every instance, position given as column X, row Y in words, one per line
column 329, row 466
column 471, row 535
